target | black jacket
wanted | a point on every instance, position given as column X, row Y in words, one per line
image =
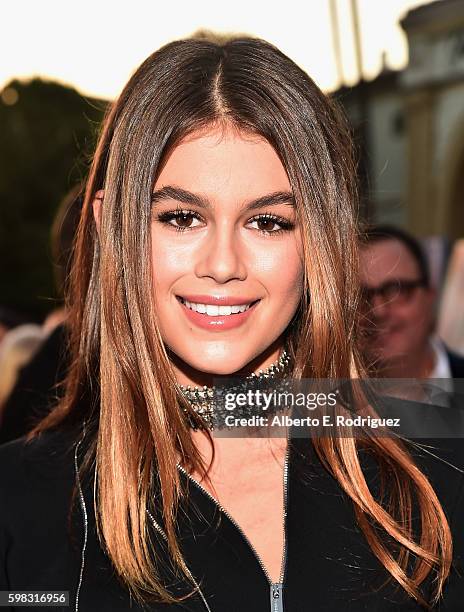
column 329, row 565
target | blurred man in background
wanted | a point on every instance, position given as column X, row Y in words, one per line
column 399, row 309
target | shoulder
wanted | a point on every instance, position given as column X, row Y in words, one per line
column 47, row 450
column 40, row 525
column 35, row 473
column 442, row 462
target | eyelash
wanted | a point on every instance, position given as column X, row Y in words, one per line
column 168, row 216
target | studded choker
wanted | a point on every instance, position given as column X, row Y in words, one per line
column 201, row 399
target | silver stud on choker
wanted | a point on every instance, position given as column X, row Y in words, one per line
column 201, row 398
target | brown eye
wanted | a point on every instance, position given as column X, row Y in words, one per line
column 184, row 220
column 180, row 220
column 266, row 225
column 270, row 224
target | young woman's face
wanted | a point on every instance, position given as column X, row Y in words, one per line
column 224, row 240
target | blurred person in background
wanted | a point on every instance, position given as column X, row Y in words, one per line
column 37, row 388
column 9, row 319
column 17, row 348
column 451, row 313
column 399, row 308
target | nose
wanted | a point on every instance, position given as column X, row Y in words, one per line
column 222, row 255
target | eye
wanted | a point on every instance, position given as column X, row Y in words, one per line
column 391, row 291
column 181, row 220
column 266, row 224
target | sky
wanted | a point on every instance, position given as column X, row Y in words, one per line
column 95, row 45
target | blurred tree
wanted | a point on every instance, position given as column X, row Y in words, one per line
column 47, row 134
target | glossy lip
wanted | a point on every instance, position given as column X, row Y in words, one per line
column 219, row 323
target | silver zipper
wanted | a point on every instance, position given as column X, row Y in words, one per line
column 84, row 545
column 276, row 588
column 85, row 519
column 163, row 534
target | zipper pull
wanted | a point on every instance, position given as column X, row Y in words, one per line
column 277, row 603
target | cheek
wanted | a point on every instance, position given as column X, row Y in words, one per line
column 421, row 318
column 413, row 314
column 168, row 262
column 280, row 270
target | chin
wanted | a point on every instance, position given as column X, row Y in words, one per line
column 223, row 367
column 212, row 360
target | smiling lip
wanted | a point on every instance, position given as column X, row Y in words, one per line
column 217, row 299
column 220, row 322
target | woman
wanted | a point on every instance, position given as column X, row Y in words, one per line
column 217, row 238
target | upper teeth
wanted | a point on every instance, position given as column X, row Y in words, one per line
column 213, row 310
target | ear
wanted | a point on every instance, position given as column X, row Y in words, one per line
column 96, row 206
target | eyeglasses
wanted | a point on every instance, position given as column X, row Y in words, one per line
column 397, row 291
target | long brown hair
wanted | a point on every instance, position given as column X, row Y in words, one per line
column 120, row 365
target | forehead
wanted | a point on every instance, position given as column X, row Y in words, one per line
column 387, row 260
column 224, row 162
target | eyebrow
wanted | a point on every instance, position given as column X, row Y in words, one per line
column 170, row 192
